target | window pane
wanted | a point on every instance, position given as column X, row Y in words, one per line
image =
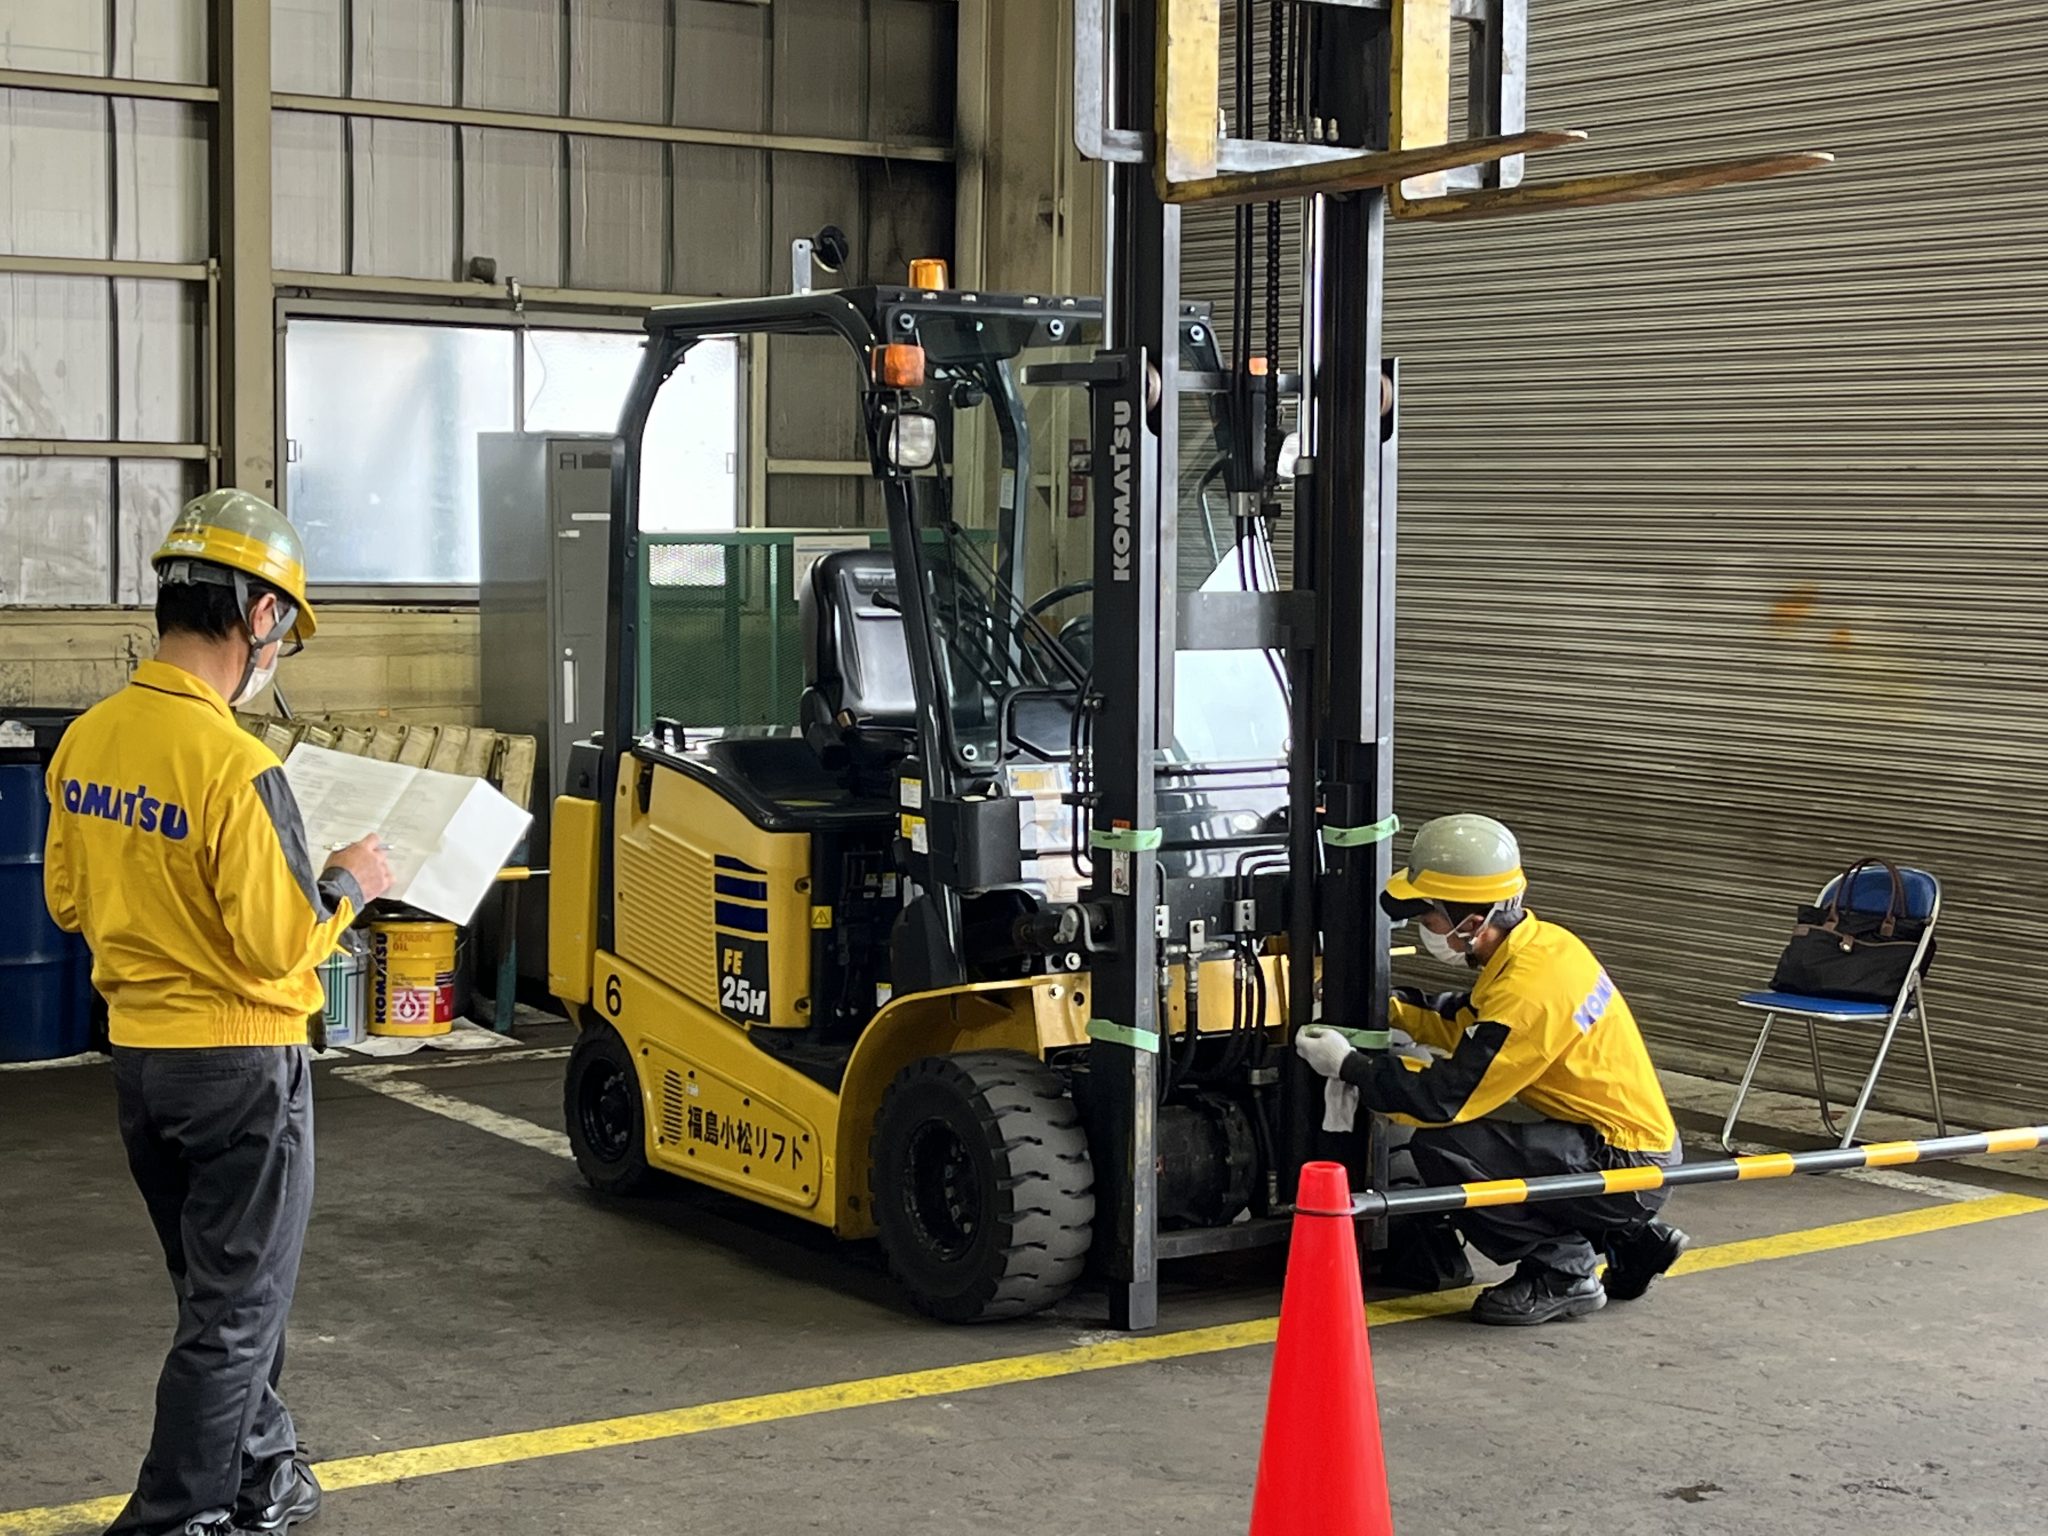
column 689, row 477
column 576, row 381
column 383, row 422
column 151, row 492
column 54, row 516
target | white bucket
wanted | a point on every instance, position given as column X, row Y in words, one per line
column 344, row 978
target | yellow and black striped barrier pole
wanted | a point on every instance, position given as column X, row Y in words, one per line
column 1372, row 1205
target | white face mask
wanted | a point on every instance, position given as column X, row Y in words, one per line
column 1438, row 948
column 257, row 680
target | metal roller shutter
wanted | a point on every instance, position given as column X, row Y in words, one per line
column 1725, row 520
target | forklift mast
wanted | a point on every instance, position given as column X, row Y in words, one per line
column 1358, row 128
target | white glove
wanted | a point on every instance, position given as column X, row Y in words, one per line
column 1323, row 1049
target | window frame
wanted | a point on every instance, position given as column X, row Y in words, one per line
column 455, row 594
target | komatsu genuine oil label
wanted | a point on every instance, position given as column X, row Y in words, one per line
column 741, row 936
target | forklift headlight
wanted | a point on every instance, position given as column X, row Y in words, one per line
column 913, row 442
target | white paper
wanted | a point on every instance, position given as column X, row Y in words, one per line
column 473, row 847
column 14, row 734
column 462, row 1036
column 447, row 835
column 466, row 1036
column 1046, row 827
column 384, row 1045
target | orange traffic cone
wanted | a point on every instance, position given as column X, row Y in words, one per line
column 1322, row 1471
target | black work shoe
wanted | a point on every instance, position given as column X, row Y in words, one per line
column 1637, row 1257
column 258, row 1511
column 1538, row 1294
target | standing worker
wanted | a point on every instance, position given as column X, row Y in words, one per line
column 1546, row 1074
column 177, row 850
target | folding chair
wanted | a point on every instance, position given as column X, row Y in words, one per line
column 1870, row 893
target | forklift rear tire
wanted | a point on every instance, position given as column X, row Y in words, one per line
column 982, row 1184
column 601, row 1104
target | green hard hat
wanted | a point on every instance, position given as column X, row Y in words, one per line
column 245, row 533
column 1463, row 858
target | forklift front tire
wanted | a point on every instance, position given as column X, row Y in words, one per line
column 983, row 1189
column 602, row 1105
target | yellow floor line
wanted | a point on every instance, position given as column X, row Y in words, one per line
column 1850, row 1234
column 386, row 1467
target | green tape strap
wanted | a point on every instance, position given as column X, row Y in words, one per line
column 1118, row 1034
column 1362, row 837
column 1363, row 1039
column 1125, row 839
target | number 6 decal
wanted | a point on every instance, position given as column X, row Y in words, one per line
column 611, row 996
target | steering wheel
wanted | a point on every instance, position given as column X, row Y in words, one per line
column 1059, row 595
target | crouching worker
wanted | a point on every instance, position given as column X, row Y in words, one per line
column 1546, row 1074
column 177, row 850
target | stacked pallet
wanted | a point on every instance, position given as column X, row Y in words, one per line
column 506, row 761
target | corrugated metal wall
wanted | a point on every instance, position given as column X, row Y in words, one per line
column 371, row 197
column 92, row 358
column 121, row 360
column 1724, row 519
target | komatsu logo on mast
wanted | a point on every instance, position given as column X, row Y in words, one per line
column 1120, row 492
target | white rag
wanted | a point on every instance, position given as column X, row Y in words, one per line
column 1340, row 1105
column 1340, row 1099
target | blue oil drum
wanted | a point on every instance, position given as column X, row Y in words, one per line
column 45, row 973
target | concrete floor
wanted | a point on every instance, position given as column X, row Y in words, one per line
column 459, row 1284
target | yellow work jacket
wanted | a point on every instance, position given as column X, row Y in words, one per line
column 1543, row 1024
column 176, row 848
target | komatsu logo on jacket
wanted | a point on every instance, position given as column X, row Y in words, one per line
column 136, row 808
column 176, row 848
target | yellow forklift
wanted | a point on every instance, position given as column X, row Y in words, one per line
column 995, row 955
column 844, row 969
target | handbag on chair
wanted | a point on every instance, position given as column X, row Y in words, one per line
column 1839, row 951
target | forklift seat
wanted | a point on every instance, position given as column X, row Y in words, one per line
column 859, row 707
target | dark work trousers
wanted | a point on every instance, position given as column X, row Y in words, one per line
column 1561, row 1234
column 221, row 1145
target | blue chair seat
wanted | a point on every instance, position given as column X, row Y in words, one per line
column 1819, row 1007
column 1870, row 891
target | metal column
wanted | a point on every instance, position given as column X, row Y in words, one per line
column 1353, row 511
column 1137, row 423
column 247, row 320
column 1355, row 603
column 1124, row 1089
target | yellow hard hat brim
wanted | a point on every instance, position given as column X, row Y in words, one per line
column 252, row 557
column 1469, row 890
column 1401, row 888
